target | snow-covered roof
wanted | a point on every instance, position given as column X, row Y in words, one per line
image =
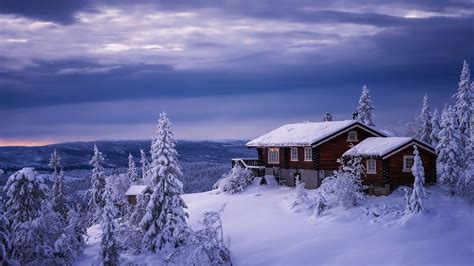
column 303, row 134
column 378, row 146
column 134, row 190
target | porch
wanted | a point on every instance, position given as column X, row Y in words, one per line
column 252, row 164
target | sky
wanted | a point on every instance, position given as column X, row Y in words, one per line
column 90, row 70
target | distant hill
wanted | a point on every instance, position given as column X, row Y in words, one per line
column 76, row 155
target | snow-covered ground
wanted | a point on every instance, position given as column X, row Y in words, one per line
column 264, row 231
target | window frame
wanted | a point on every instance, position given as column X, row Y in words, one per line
column 306, row 149
column 275, row 151
column 405, row 157
column 354, row 132
column 294, row 151
column 369, row 171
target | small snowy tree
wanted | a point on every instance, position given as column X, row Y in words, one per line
column 415, row 202
column 449, row 159
column 109, row 252
column 98, row 179
column 235, row 181
column 301, row 196
column 365, row 108
column 344, row 188
column 132, row 170
column 5, row 243
column 320, row 205
column 436, row 128
column 165, row 220
column 425, row 126
column 210, row 245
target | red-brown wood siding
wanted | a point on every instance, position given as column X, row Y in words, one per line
column 333, row 149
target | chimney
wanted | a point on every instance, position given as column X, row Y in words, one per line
column 327, row 117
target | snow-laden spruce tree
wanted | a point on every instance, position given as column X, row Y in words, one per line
column 5, row 243
column 415, row 202
column 320, row 204
column 165, row 220
column 58, row 194
column 234, row 181
column 449, row 146
column 145, row 169
column 425, row 126
column 109, row 248
column 25, row 191
column 132, row 171
column 365, row 108
column 301, row 196
column 463, row 107
column 344, row 188
column 120, row 183
column 98, row 179
column 436, row 128
column 210, row 246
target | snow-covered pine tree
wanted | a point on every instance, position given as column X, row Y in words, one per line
column 5, row 243
column 449, row 158
column 109, row 248
column 165, row 220
column 365, row 108
column 436, row 128
column 320, row 205
column 98, row 179
column 463, row 107
column 418, row 193
column 25, row 191
column 145, row 169
column 58, row 195
column 425, row 121
column 132, row 171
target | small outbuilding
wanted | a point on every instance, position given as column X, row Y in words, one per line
column 135, row 190
column 388, row 162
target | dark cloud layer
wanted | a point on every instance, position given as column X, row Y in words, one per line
column 61, row 55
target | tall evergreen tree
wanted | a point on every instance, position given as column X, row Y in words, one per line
column 448, row 150
column 145, row 169
column 415, row 202
column 436, row 128
column 5, row 243
column 98, row 179
column 109, row 249
column 165, row 220
column 365, row 108
column 59, row 197
column 132, row 170
column 463, row 107
column 425, row 119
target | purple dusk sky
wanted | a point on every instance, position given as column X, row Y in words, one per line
column 87, row 70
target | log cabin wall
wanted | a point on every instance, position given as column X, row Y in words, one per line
column 378, row 177
column 399, row 177
column 333, row 149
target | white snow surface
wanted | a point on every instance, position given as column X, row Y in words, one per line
column 378, row 146
column 134, row 190
column 300, row 134
column 264, row 231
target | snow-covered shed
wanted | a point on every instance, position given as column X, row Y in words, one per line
column 134, row 190
column 307, row 151
column 388, row 161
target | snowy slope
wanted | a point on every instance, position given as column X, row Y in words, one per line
column 264, row 231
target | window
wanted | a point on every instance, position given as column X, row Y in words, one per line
column 294, row 154
column 371, row 166
column 308, row 154
column 352, row 135
column 408, row 161
column 273, row 155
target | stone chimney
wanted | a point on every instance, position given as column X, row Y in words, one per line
column 327, row 117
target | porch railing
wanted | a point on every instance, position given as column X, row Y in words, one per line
column 252, row 164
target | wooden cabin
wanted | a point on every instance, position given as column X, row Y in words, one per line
column 135, row 190
column 388, row 162
column 307, row 152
